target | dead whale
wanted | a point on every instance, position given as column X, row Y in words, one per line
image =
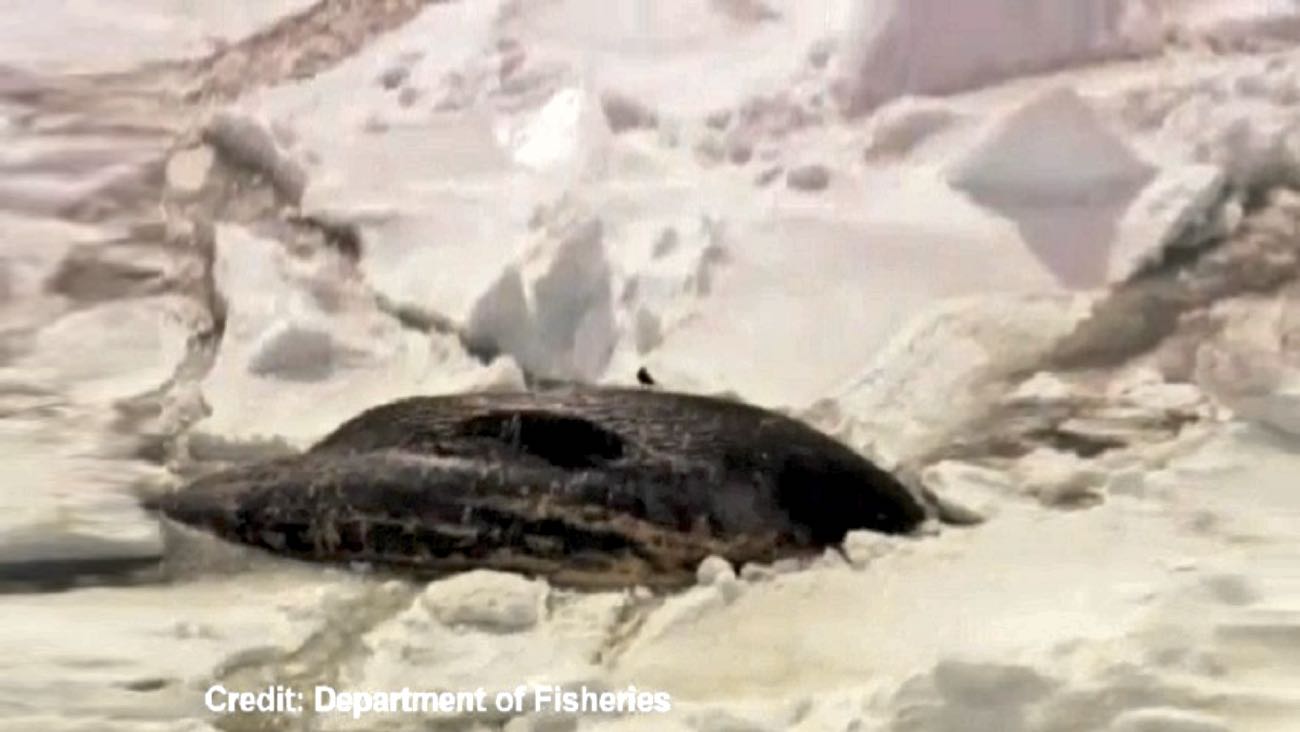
column 587, row 487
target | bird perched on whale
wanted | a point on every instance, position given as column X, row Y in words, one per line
column 589, row 487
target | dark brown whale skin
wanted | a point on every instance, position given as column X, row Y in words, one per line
column 588, row 487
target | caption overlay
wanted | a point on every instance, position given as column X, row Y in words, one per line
column 523, row 699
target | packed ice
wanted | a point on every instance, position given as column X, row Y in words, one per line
column 1040, row 258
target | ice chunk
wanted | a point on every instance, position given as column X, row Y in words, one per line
column 1053, row 150
column 1066, row 180
column 489, row 600
column 898, row 47
column 309, row 345
column 554, row 312
column 566, row 132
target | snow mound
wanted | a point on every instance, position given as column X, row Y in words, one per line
column 1054, row 168
column 895, row 47
column 441, row 256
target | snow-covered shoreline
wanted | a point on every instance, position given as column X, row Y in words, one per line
column 1066, row 301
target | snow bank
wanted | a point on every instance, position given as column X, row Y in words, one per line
column 896, row 47
column 51, row 175
column 859, row 637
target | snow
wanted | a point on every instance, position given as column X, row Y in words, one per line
column 862, row 275
column 491, row 600
column 1054, row 149
column 187, row 170
column 1167, row 720
column 553, row 311
column 728, row 49
column 553, row 136
column 943, row 368
column 898, row 47
column 901, row 126
column 309, row 346
column 1177, row 208
column 66, row 498
column 113, row 351
column 92, row 35
column 81, row 653
column 31, row 251
column 577, row 189
column 1052, row 167
column 1250, row 368
column 1228, row 21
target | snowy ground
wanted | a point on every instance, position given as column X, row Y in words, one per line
column 95, row 35
column 1043, row 255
